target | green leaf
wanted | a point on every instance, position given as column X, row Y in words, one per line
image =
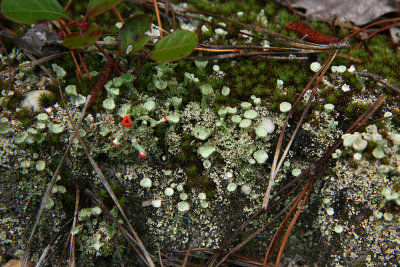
column 98, row 7
column 83, row 39
column 33, row 11
column 174, row 46
column 132, row 34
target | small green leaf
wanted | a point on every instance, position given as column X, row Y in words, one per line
column 83, row 39
column 132, row 34
column 174, row 46
column 33, row 11
column 98, row 7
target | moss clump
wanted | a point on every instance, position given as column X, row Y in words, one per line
column 25, row 116
column 15, row 99
column 47, row 100
column 117, row 190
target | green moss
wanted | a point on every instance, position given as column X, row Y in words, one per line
column 47, row 100
column 248, row 84
column 262, row 78
column 284, row 17
column 301, row 77
column 322, row 27
column 270, row 8
column 291, row 93
column 122, row 201
column 396, row 121
column 223, row 100
column 337, row 93
column 55, row 139
column 238, row 79
column 15, row 99
column 192, row 170
column 207, row 186
column 274, row 106
column 258, row 90
column 331, row 99
column 25, row 116
column 262, row 66
column 183, row 158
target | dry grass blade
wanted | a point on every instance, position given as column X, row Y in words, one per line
column 226, row 243
column 258, row 231
column 68, row 5
column 149, row 260
column 159, row 256
column 116, row 13
column 290, row 42
column 187, row 256
column 78, row 70
column 51, row 184
column 276, row 165
column 307, row 191
column 275, row 240
column 384, row 118
column 234, row 260
column 109, row 58
column 370, row 25
column 52, row 241
column 379, row 79
column 43, row 256
column 34, row 63
column 360, row 122
column 72, row 259
column 64, row 251
column 121, row 261
column 251, row 54
column 69, row 243
column 132, row 241
column 168, row 7
column 84, row 66
column 252, row 217
column 44, row 69
column 158, row 17
column 375, row 32
column 139, row 243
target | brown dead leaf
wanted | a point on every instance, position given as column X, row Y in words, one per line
column 359, row 12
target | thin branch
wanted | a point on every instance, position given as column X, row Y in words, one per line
column 159, row 257
column 108, row 58
column 121, row 261
column 375, row 32
column 158, row 17
column 307, row 190
column 78, row 68
column 139, row 243
column 132, row 241
column 276, row 165
column 255, row 233
column 36, row 62
column 72, row 258
column 379, row 79
column 51, row 184
column 187, row 256
column 53, row 240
